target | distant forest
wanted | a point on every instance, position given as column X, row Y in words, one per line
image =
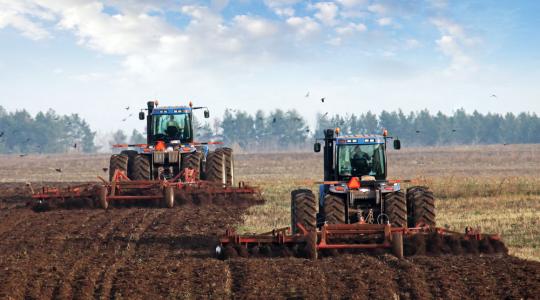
column 276, row 130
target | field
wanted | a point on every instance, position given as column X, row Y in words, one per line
column 150, row 252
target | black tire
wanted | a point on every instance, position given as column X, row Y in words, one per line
column 142, row 169
column 334, row 209
column 421, row 206
column 215, row 167
column 395, row 205
column 229, row 164
column 131, row 154
column 118, row 162
column 303, row 209
column 192, row 161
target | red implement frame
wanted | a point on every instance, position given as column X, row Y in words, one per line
column 122, row 189
column 343, row 236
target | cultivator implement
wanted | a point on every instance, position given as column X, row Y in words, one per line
column 332, row 239
column 182, row 189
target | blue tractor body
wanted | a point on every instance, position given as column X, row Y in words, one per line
column 170, row 150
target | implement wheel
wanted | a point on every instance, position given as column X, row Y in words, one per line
column 303, row 209
column 334, row 209
column 311, row 245
column 102, row 197
column 420, row 206
column 396, row 208
column 168, row 197
column 397, row 244
column 118, row 162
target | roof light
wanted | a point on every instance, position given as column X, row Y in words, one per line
column 190, row 104
column 385, row 133
column 337, row 130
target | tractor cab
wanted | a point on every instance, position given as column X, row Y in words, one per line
column 360, row 156
column 170, row 124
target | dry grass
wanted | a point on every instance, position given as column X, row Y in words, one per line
column 494, row 187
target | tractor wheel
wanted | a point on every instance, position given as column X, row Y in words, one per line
column 141, row 168
column 334, row 209
column 168, row 197
column 396, row 208
column 421, row 206
column 215, row 167
column 131, row 154
column 229, row 164
column 118, row 162
column 192, row 161
column 303, row 209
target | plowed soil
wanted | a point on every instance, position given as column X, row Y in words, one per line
column 149, row 253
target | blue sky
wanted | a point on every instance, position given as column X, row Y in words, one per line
column 96, row 57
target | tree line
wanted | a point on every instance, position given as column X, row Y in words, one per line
column 277, row 130
column 46, row 132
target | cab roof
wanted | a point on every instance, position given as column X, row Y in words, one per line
column 171, row 110
column 360, row 139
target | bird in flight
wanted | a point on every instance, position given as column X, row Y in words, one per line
column 127, row 108
column 493, row 96
column 453, row 130
column 307, row 94
column 59, row 170
column 418, row 131
column 1, row 134
column 124, row 119
column 105, row 169
column 75, row 145
column 322, row 99
column 274, row 120
column 22, row 155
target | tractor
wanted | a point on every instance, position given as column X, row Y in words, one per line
column 356, row 189
column 170, row 152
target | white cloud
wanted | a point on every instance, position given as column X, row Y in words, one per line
column 453, row 43
column 256, row 27
column 384, row 21
column 352, row 3
column 304, row 26
column 282, row 8
column 326, row 12
column 22, row 15
column 351, row 28
column 378, row 8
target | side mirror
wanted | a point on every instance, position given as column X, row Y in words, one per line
column 141, row 115
column 206, row 114
column 317, row 147
column 397, row 144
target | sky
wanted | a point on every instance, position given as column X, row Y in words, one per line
column 96, row 58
